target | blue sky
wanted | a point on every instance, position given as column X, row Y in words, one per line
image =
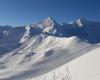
column 21, row 12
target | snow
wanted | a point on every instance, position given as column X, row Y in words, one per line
column 26, row 34
column 49, row 54
column 86, row 67
column 49, row 51
column 79, row 22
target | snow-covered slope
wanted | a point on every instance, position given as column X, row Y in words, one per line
column 33, row 50
column 86, row 67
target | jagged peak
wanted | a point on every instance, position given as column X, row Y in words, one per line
column 81, row 19
column 49, row 19
column 81, row 22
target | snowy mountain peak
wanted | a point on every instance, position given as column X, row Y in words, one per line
column 81, row 19
column 49, row 20
column 47, row 25
column 81, row 22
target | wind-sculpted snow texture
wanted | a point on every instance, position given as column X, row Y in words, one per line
column 29, row 51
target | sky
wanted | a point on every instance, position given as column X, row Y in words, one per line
column 25, row 12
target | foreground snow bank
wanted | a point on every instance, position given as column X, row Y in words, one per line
column 86, row 67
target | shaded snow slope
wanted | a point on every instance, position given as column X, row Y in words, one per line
column 86, row 67
column 33, row 50
column 48, row 54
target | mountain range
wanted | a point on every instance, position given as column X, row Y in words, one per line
column 39, row 51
